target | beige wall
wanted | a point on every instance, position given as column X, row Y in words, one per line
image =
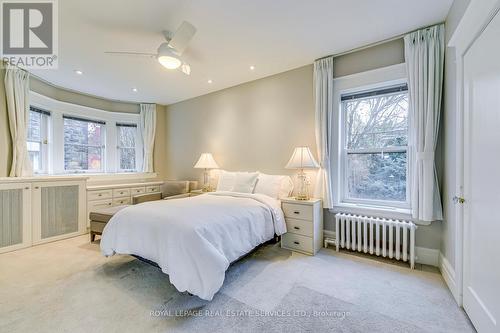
column 383, row 55
column 253, row 126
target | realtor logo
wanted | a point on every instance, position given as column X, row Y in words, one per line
column 29, row 33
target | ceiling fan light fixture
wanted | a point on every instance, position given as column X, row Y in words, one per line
column 169, row 62
column 167, row 58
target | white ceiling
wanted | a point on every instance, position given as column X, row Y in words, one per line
column 273, row 35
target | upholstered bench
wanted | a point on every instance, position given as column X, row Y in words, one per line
column 99, row 218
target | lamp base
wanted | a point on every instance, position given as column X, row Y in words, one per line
column 302, row 197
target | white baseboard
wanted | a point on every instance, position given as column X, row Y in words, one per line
column 448, row 273
column 424, row 255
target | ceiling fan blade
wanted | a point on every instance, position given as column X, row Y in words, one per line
column 186, row 69
column 141, row 54
column 182, row 36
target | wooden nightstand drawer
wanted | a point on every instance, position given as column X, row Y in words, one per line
column 99, row 195
column 121, row 193
column 297, row 242
column 298, row 211
column 300, row 227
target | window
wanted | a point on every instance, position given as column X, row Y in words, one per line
column 37, row 139
column 127, row 134
column 375, row 147
column 71, row 138
column 84, row 148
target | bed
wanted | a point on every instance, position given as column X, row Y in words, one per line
column 194, row 240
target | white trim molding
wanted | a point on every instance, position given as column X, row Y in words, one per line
column 448, row 273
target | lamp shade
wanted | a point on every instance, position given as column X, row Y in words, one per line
column 302, row 158
column 206, row 161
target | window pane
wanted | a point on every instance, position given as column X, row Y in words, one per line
column 377, row 122
column 126, row 136
column 35, row 160
column 84, row 158
column 83, row 145
column 377, row 176
column 34, row 126
column 127, row 158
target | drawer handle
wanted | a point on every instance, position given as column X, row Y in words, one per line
column 121, row 192
column 109, row 204
column 296, row 212
column 100, row 194
column 296, row 228
column 297, row 243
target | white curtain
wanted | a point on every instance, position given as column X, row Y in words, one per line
column 148, row 129
column 323, row 94
column 17, row 94
column 424, row 53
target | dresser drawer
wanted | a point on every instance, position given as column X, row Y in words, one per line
column 300, row 227
column 137, row 190
column 122, row 201
column 96, row 205
column 296, row 211
column 153, row 189
column 99, row 195
column 121, row 192
column 297, row 242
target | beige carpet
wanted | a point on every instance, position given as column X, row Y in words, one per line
column 68, row 286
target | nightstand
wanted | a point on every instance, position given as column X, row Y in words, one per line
column 304, row 224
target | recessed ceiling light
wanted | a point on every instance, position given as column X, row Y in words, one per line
column 134, row 89
column 252, row 68
column 78, row 72
column 210, row 81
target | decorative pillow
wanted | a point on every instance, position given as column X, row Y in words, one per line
column 274, row 186
column 226, row 181
column 245, row 182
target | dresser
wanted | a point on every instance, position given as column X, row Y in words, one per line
column 105, row 196
column 304, row 224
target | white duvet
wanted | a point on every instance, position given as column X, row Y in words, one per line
column 194, row 240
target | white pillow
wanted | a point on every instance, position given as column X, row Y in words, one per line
column 226, row 181
column 245, row 182
column 274, row 186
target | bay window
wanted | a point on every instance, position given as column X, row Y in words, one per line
column 68, row 138
column 374, row 141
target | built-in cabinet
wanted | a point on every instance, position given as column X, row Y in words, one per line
column 105, row 196
column 38, row 210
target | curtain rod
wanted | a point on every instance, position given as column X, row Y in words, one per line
column 390, row 39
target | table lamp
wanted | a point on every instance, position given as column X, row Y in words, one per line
column 207, row 162
column 301, row 159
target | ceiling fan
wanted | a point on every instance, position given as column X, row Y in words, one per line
column 169, row 53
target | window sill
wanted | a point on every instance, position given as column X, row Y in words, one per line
column 103, row 177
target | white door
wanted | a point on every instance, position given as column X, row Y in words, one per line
column 481, row 280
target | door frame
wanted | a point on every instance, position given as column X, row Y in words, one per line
column 477, row 17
